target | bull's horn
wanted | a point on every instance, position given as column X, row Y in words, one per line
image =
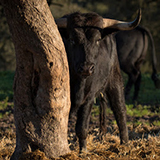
column 121, row 25
column 61, row 22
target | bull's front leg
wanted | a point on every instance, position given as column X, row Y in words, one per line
column 82, row 125
column 117, row 101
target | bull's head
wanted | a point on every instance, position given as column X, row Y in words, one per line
column 84, row 34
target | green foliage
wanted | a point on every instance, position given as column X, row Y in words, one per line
column 6, row 83
column 7, row 56
column 95, row 110
column 4, row 110
column 4, row 103
column 149, row 94
column 156, row 123
column 6, row 92
column 139, row 110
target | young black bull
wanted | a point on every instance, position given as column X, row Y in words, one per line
column 94, row 67
column 132, row 48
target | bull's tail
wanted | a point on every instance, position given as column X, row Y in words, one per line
column 154, row 76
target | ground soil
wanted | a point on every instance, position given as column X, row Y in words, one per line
column 144, row 140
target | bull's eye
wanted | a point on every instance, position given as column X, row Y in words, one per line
column 72, row 42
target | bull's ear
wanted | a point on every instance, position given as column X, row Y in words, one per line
column 107, row 31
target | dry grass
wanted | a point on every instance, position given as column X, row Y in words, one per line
column 144, row 143
column 108, row 148
column 7, row 145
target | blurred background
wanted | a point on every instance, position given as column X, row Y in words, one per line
column 121, row 9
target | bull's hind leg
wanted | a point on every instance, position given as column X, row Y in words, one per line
column 131, row 80
column 102, row 115
column 82, row 125
column 137, row 87
column 134, row 78
column 117, row 102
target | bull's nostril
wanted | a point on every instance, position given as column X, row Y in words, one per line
column 81, row 68
column 91, row 69
column 86, row 70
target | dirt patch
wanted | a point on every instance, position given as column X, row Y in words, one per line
column 144, row 141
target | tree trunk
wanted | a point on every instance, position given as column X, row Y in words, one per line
column 41, row 84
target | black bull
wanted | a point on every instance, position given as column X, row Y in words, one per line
column 132, row 48
column 94, row 67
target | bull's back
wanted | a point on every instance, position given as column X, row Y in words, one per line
column 131, row 47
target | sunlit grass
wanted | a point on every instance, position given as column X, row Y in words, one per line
column 3, row 107
column 139, row 110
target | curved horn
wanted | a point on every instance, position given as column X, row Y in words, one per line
column 61, row 22
column 121, row 25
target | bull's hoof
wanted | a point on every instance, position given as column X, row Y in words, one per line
column 83, row 152
column 124, row 141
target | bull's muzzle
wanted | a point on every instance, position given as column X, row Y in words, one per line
column 86, row 70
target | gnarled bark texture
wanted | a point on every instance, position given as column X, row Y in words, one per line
column 41, row 84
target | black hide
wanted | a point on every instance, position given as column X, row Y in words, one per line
column 132, row 48
column 94, row 71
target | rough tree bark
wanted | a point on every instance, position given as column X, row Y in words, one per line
column 41, row 84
